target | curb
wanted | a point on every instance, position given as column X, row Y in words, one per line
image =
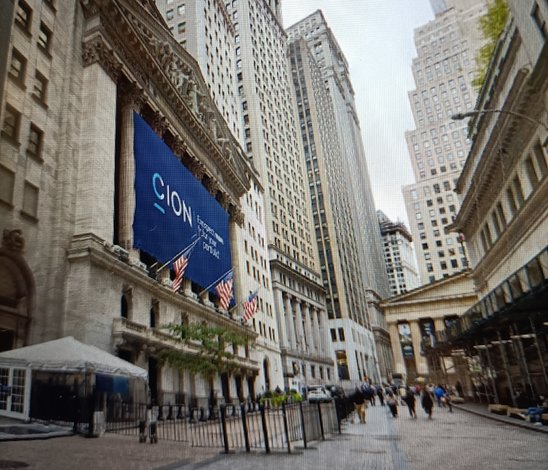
column 530, row 427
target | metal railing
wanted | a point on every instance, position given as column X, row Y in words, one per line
column 230, row 427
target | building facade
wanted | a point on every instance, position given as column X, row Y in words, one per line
column 82, row 78
column 504, row 216
column 420, row 319
column 209, row 31
column 273, row 147
column 443, row 71
column 399, row 255
column 341, row 197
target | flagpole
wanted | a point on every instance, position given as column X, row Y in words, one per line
column 178, row 254
column 213, row 283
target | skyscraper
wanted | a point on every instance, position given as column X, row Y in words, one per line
column 443, row 70
column 399, row 255
column 270, row 138
column 342, row 205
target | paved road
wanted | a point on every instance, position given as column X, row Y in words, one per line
column 452, row 441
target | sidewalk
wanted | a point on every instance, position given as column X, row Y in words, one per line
column 481, row 410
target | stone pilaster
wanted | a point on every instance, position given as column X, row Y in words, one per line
column 289, row 322
column 399, row 363
column 282, row 328
column 308, row 325
column 96, row 166
column 131, row 99
column 416, row 337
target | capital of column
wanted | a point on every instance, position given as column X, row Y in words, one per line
column 197, row 169
column 131, row 95
column 158, row 123
column 237, row 216
column 212, row 185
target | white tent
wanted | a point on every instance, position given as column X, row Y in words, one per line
column 69, row 355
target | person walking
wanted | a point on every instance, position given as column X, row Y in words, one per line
column 392, row 404
column 410, row 402
column 427, row 403
column 359, row 404
column 447, row 398
column 439, row 392
column 380, row 395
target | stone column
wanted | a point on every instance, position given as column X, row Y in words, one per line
column 416, row 337
column 308, row 329
column 399, row 363
column 96, row 166
column 299, row 324
column 439, row 324
column 132, row 99
column 233, row 232
column 289, row 322
column 316, row 329
column 282, row 326
column 322, row 331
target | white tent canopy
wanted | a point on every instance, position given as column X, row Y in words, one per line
column 69, row 355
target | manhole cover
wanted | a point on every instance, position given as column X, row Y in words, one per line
column 12, row 464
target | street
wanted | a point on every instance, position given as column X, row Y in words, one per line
column 458, row 440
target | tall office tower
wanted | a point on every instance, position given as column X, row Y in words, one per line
column 443, row 72
column 273, row 147
column 399, row 255
column 208, row 32
column 345, row 221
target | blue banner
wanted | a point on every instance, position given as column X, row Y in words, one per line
column 173, row 209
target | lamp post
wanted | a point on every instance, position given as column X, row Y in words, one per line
column 477, row 112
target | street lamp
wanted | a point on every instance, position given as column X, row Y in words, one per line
column 476, row 112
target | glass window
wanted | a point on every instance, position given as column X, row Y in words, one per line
column 18, row 67
column 34, row 145
column 30, row 199
column 44, row 38
column 7, row 181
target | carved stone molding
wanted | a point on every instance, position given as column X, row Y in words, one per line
column 197, row 169
column 132, row 95
column 212, row 186
column 237, row 215
column 178, row 147
column 158, row 123
column 13, row 240
column 90, row 8
column 96, row 51
column 224, row 200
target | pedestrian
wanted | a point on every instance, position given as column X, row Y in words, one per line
column 359, row 404
column 410, row 402
column 427, row 403
column 380, row 395
column 392, row 404
column 402, row 392
column 447, row 398
column 439, row 392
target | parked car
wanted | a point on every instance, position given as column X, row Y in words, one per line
column 318, row 393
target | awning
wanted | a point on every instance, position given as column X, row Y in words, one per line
column 69, row 355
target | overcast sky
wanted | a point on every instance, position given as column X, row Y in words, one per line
column 376, row 37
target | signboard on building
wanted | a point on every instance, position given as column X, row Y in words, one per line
column 173, row 209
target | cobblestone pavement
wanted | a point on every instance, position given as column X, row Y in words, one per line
column 454, row 441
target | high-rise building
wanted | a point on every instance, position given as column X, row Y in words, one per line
column 399, row 255
column 443, row 71
column 342, row 204
column 208, row 32
column 267, row 110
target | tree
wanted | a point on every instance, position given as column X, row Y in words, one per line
column 211, row 356
column 492, row 25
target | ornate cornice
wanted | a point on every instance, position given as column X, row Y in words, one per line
column 96, row 51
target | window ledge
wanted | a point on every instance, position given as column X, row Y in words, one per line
column 10, row 140
column 36, row 157
column 28, row 216
column 40, row 102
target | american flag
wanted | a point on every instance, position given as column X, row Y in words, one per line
column 250, row 306
column 224, row 290
column 180, row 265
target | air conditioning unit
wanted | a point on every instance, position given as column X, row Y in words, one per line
column 122, row 254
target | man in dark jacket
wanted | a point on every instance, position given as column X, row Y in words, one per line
column 358, row 399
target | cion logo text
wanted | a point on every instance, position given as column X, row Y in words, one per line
column 171, row 199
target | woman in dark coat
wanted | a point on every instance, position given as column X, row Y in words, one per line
column 410, row 402
column 427, row 403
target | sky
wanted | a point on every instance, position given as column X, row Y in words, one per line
column 376, row 37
